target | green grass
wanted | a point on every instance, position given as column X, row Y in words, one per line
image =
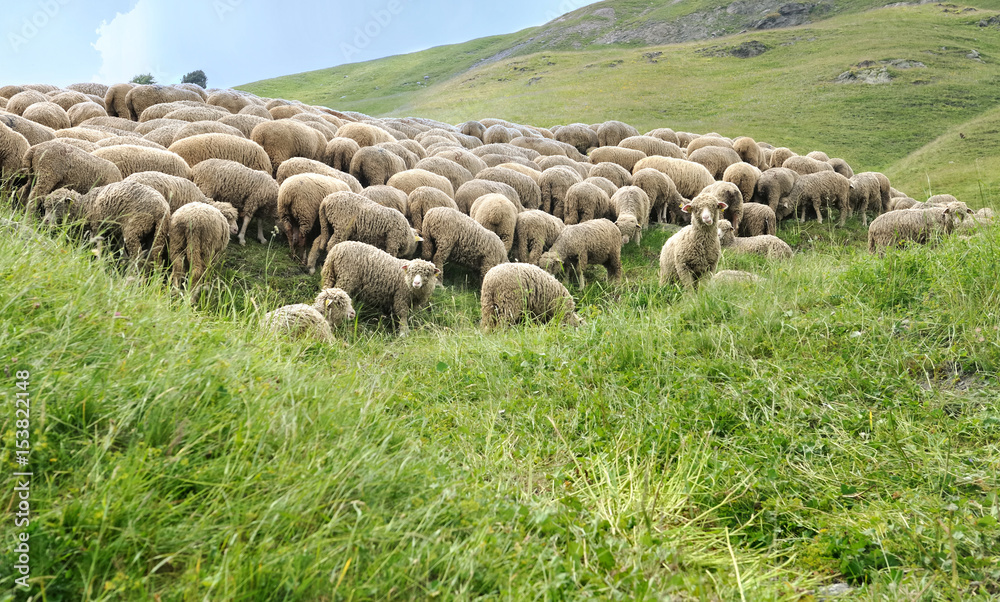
column 836, row 422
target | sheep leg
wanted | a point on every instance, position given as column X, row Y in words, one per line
column 614, row 266
column 132, row 234
column 177, row 255
column 160, row 241
column 196, row 258
column 441, row 255
column 581, row 264
column 686, row 277
column 401, row 307
column 243, row 230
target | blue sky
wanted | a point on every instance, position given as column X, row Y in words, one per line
column 236, row 41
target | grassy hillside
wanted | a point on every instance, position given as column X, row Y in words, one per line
column 788, row 95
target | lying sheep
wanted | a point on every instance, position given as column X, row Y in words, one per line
column 515, row 292
column 592, row 242
column 757, row 219
column 473, row 189
column 252, row 192
column 350, row 216
column 387, row 196
column 331, row 308
column 690, row 178
column 584, row 202
column 534, row 233
column 451, row 236
column 528, row 192
column 199, row 233
column 693, row 253
column 202, row 147
column 177, row 191
column 631, row 205
column 132, row 159
column 56, row 164
column 498, row 215
column 421, row 200
column 766, row 245
column 913, row 225
column 373, row 277
column 821, row 189
column 664, row 200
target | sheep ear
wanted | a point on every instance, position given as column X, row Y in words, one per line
column 328, row 302
column 686, row 208
column 723, row 206
column 416, row 237
column 406, row 267
column 437, row 272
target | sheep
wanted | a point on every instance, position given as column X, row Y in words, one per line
column 757, row 219
column 373, row 166
column 652, row 146
column 498, row 215
column 716, row 159
column 473, row 189
column 580, row 136
column 287, row 138
column 331, row 308
column 365, row 134
column 193, row 114
column 34, row 133
column 528, row 168
column 230, row 100
column 451, row 236
column 941, row 199
column 499, row 134
column 199, row 232
column 842, row 167
column 615, row 173
column 528, row 192
column 514, row 292
column 373, row 277
column 625, row 157
column 693, row 253
column 199, row 148
column 300, row 165
column 455, row 173
column 48, row 114
column 89, row 88
column 340, row 153
column 19, row 103
column 611, row 133
column 918, row 225
column 765, row 245
column 745, row 176
column 596, row 241
column 535, row 231
column 821, row 189
column 780, row 155
column 463, row 157
column 132, row 159
column 549, row 161
column 819, row 156
column 56, row 164
column 584, row 202
column 252, row 192
column 604, row 184
column 387, row 196
column 868, row 191
column 631, row 205
column 13, row 147
column 664, row 200
column 421, row 200
column 507, row 150
column 114, row 100
column 177, row 191
column 206, row 127
column 773, row 189
column 140, row 98
column 749, row 152
column 728, row 193
column 350, row 216
column 903, row 202
column 473, row 128
column 299, row 199
column 708, row 140
column 411, row 179
column 689, row 178
column 84, row 111
column 244, row 123
column 88, row 134
column 546, row 146
column 554, row 183
column 806, row 165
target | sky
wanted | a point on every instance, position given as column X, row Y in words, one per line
column 235, row 42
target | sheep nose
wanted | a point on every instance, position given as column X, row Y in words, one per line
column 418, row 282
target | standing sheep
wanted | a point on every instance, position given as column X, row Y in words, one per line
column 299, row 165
column 917, row 225
column 199, row 232
column 373, row 166
column 821, row 189
column 534, row 233
column 528, row 192
column 140, row 98
column 13, row 147
column 387, row 196
column 451, row 236
column 716, row 159
column 611, row 133
column 340, row 153
column 806, row 165
column 473, row 189
column 631, row 205
column 728, row 193
column 582, row 169
column 299, row 199
column 652, row 146
column 422, row 200
column 584, row 202
column 693, row 253
column 757, row 219
column 447, row 168
column 618, row 175
column 690, row 178
column 749, row 152
column 252, row 192
column 745, row 176
column 664, row 200
column 56, row 164
column 554, row 184
column 842, row 167
column 867, row 191
column 373, row 277
column 177, row 191
column 202, row 147
column 766, row 245
column 331, row 308
column 774, row 186
column 580, row 136
column 596, row 241
column 514, row 292
column 411, row 179
column 780, row 155
column 624, row 157
column 132, row 159
column 498, row 215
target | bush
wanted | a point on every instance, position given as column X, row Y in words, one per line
column 196, row 77
column 143, row 79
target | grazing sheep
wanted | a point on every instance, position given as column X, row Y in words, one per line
column 766, row 245
column 780, row 155
column 13, row 147
column 773, row 189
column 508, row 150
column 535, row 231
column 716, row 159
column 299, row 199
column 615, row 173
column 177, row 191
column 749, row 152
column 708, row 140
column 411, row 179
column 132, row 159
column 528, row 192
column 287, row 138
column 819, row 156
column 918, row 225
column 580, row 136
column 473, row 189
column 409, row 157
column 199, row 148
column 230, row 100
column 546, row 146
column 514, row 292
column 611, row 133
column 806, row 165
column 365, row 134
column 331, row 308
column 653, row 146
column 114, row 100
column 192, row 114
column 455, row 173
column 351, row 216
column 206, row 127
column 821, row 189
column 473, row 128
column 373, row 166
column 584, row 202
column 693, row 253
column 199, row 232
column 665, row 134
column 528, row 168
column 244, row 123
column 582, row 169
column 625, row 157
column 90, row 135
column 499, row 134
column 941, row 199
column 842, row 167
column 631, row 205
column 252, row 192
column 757, row 219
column 34, row 133
column 728, row 193
column 340, row 153
column 498, row 215
column 664, row 200
column 89, row 88
column 387, row 196
column 48, row 114
column 140, row 98
column 898, row 203
column 300, row 165
column 745, row 176
column 373, row 277
column 421, row 200
column 554, row 183
column 463, row 157
column 451, row 236
column 604, row 184
column 19, row 103
column 690, row 178
column 685, row 138
column 868, row 190
column 56, row 164
column 593, row 242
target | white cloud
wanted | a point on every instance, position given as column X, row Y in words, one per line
column 128, row 44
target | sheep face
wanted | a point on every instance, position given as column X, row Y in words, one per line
column 411, row 248
column 551, row 263
column 726, row 234
column 629, row 227
column 704, row 210
column 231, row 215
column 421, row 274
column 335, row 305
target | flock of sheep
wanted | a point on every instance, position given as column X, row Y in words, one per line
column 170, row 173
